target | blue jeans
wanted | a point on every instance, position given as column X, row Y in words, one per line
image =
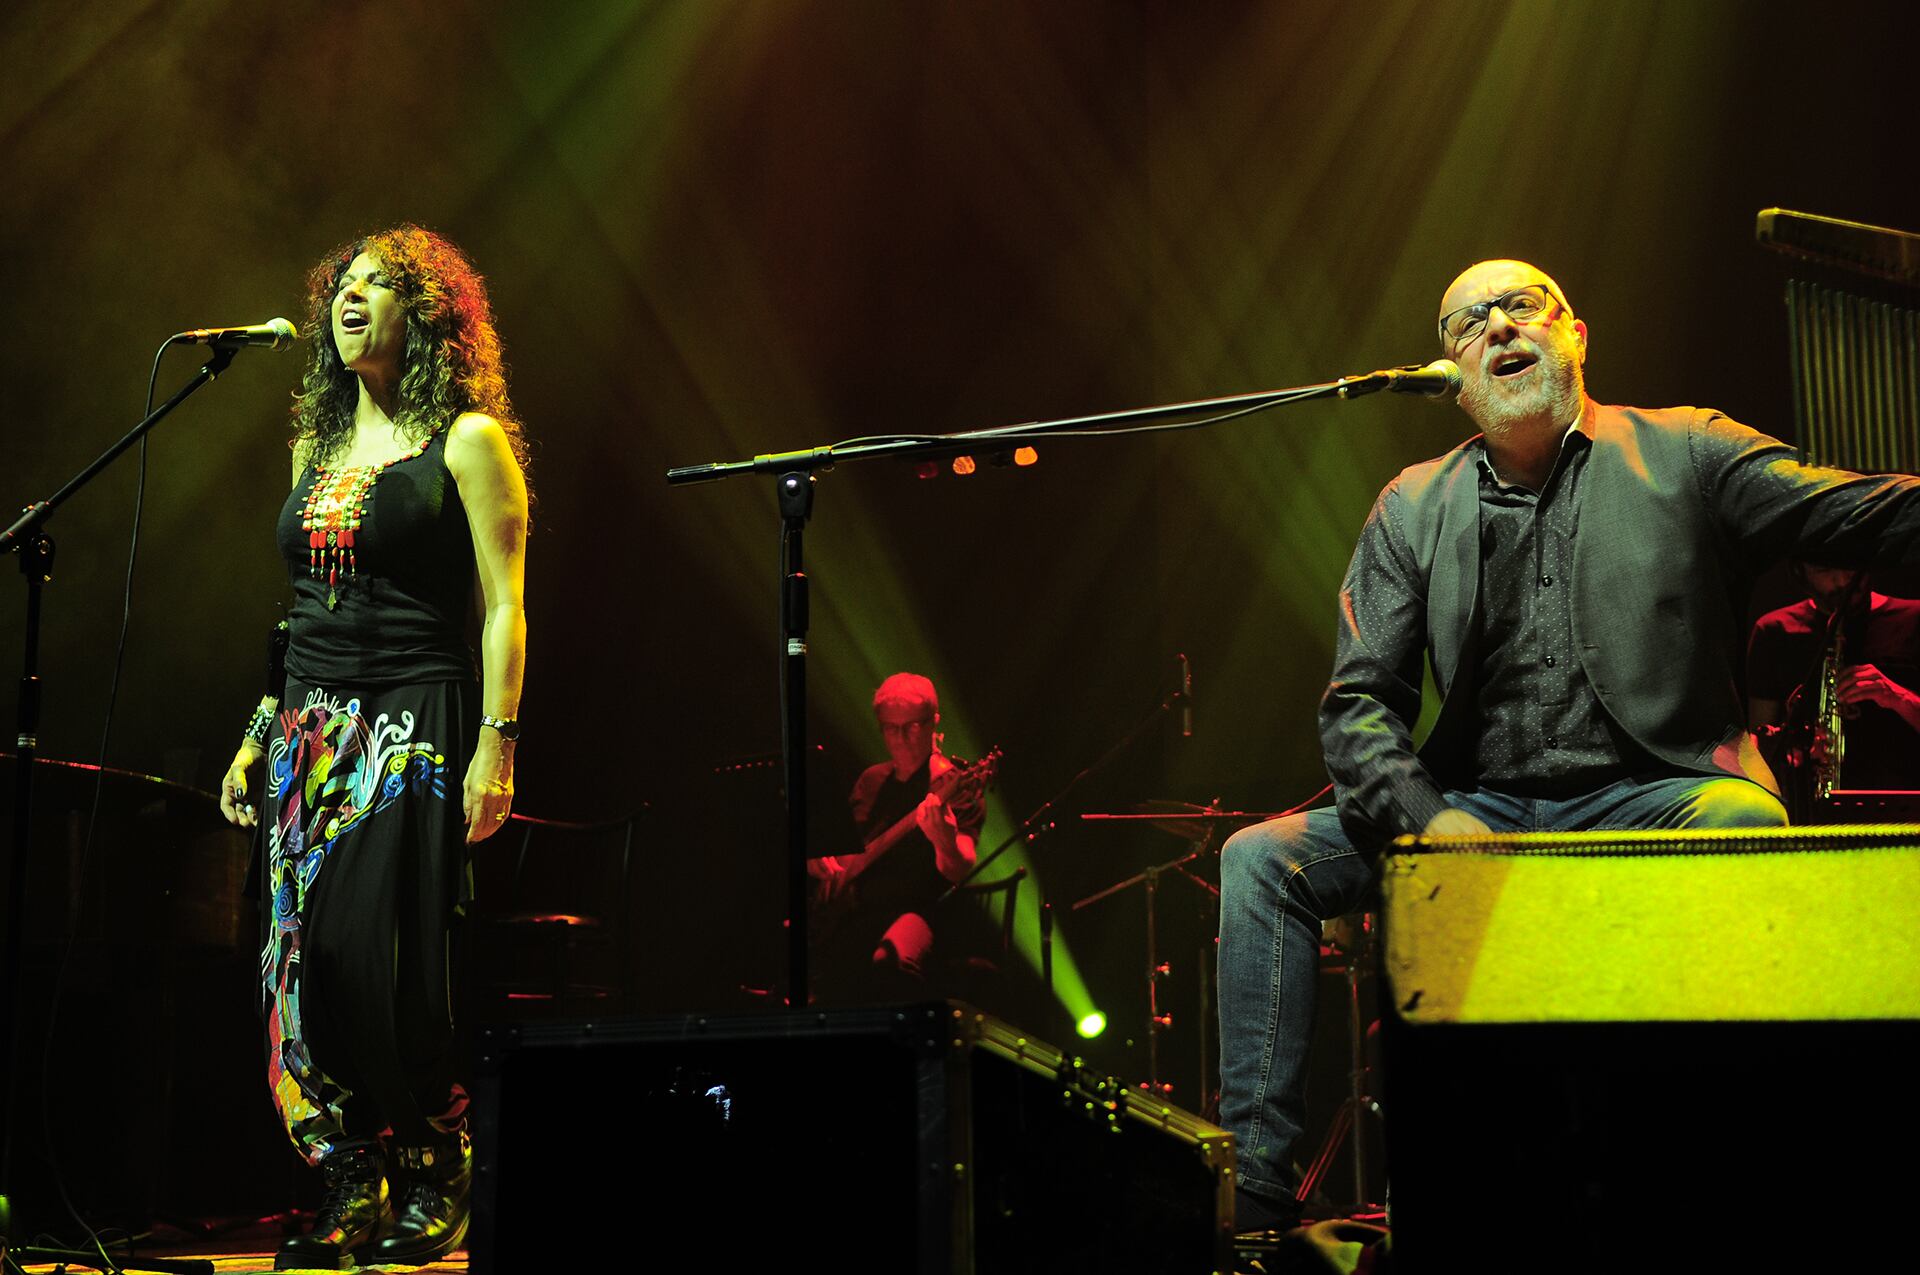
column 1280, row 879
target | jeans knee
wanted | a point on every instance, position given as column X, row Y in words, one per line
column 1261, row 855
column 1239, row 857
column 1736, row 803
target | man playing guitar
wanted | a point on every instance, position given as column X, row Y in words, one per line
column 919, row 815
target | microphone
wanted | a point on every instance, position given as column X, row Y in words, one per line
column 1186, row 696
column 275, row 334
column 1437, row 379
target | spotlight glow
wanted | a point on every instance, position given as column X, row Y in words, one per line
column 1092, row 1025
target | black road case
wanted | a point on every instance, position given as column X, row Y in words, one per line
column 929, row 1138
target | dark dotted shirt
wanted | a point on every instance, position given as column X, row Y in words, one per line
column 1542, row 730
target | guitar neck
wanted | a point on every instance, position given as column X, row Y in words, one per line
column 892, row 836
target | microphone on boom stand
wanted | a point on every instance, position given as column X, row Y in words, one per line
column 1436, row 380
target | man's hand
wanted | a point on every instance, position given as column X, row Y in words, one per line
column 952, row 849
column 831, row 873
column 1453, row 822
column 1865, row 684
column 936, row 821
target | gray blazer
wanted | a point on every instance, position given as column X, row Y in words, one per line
column 1681, row 509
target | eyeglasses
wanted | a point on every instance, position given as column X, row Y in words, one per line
column 1469, row 321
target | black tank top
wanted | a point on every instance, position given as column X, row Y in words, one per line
column 401, row 588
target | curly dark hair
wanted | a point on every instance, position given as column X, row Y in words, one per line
column 451, row 363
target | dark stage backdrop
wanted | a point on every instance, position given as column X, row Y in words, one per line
column 715, row 229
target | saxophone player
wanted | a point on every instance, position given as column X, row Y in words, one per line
column 1831, row 686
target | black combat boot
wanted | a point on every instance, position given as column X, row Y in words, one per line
column 350, row 1217
column 433, row 1190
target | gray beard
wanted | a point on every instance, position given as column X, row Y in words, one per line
column 1551, row 399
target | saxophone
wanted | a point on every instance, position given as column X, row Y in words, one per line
column 1829, row 724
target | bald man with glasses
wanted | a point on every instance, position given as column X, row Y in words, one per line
column 1575, row 577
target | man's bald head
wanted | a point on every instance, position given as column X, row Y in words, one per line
column 1485, row 280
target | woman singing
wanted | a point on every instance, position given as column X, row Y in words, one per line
column 389, row 751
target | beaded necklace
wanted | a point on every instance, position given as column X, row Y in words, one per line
column 335, row 505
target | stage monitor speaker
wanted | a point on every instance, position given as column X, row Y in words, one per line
column 1604, row 1046
column 924, row 1138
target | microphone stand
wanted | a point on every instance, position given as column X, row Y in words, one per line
column 795, row 473
column 29, row 540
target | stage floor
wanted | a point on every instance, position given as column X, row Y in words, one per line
column 233, row 1246
column 255, row 1257
column 251, row 1253
column 247, row 1248
column 229, row 1261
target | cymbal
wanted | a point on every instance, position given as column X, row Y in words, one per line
column 1181, row 819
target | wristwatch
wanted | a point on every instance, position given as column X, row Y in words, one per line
column 509, row 727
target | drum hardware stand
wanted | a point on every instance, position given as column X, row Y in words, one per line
column 1157, row 969
column 1358, row 1106
column 1197, row 825
column 28, row 538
